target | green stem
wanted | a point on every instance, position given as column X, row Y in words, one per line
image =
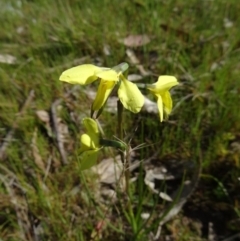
column 120, row 119
column 125, row 159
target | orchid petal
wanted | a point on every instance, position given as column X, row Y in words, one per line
column 167, row 102
column 89, row 159
column 160, row 107
column 104, row 90
column 91, row 125
column 82, row 74
column 89, row 144
column 130, row 96
column 86, row 143
column 109, row 75
column 161, row 90
column 92, row 133
column 164, row 83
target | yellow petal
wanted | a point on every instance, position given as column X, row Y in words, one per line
column 104, row 90
column 160, row 107
column 130, row 96
column 110, row 75
column 164, row 83
column 91, row 125
column 167, row 102
column 89, row 159
column 87, row 143
column 92, row 133
column 82, row 74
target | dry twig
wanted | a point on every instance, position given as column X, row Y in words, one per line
column 57, row 131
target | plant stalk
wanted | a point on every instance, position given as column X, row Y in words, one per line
column 124, row 155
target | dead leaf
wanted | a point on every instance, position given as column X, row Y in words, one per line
column 165, row 196
column 132, row 56
column 109, row 170
column 156, row 174
column 136, row 40
column 7, row 59
column 45, row 117
column 149, row 180
column 108, row 195
column 145, row 216
column 106, row 50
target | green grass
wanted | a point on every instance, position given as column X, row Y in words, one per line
column 190, row 41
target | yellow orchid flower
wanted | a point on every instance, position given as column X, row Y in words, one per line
column 161, row 90
column 128, row 93
column 90, row 145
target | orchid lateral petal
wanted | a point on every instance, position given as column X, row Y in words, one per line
column 92, row 133
column 86, row 143
column 160, row 107
column 130, row 96
column 104, row 90
column 167, row 102
column 89, row 144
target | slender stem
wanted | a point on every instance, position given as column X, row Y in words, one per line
column 127, row 170
column 124, row 158
column 120, row 119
